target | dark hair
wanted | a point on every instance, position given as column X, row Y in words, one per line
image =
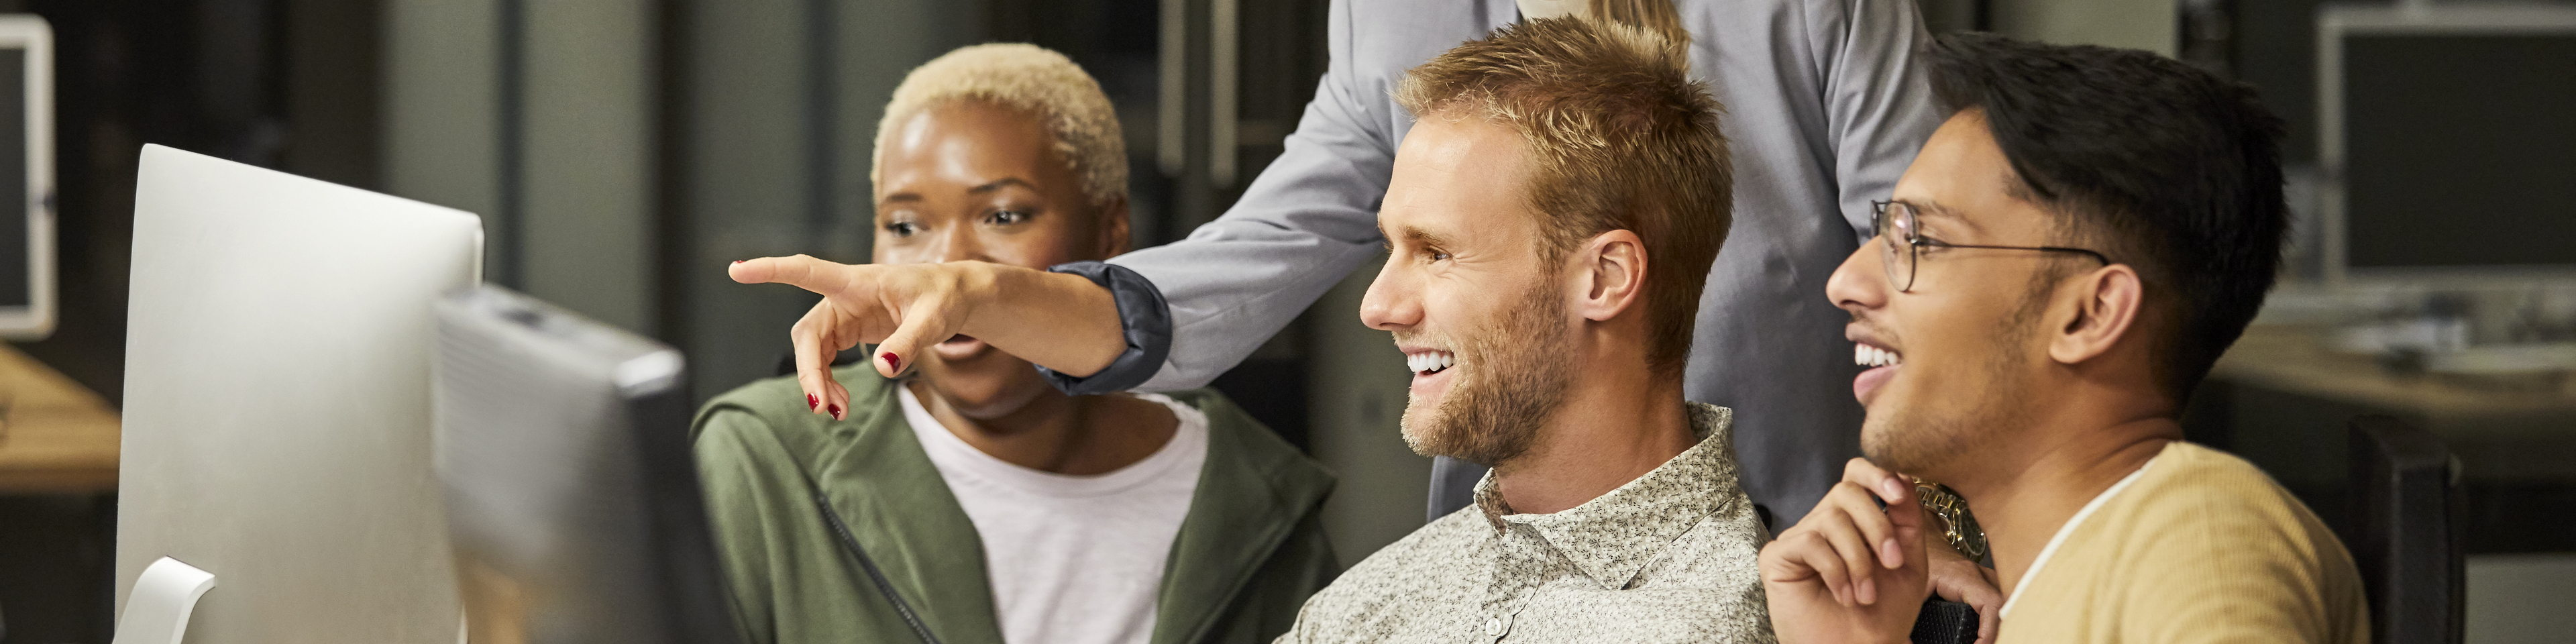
column 2160, row 165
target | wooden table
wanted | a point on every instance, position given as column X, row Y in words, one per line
column 2520, row 428
column 2281, row 399
column 56, row 437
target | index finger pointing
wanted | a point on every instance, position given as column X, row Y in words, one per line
column 800, row 271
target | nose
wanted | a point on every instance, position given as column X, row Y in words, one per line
column 1393, row 301
column 961, row 242
column 1860, row 282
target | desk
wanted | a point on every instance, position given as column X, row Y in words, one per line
column 56, row 437
column 2501, row 429
column 58, row 450
column 2281, row 400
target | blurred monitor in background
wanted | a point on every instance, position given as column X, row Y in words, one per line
column 277, row 402
column 2453, row 130
column 26, row 178
column 572, row 497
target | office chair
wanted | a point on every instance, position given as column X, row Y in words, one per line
column 2409, row 524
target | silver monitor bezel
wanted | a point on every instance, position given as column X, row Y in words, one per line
column 2334, row 23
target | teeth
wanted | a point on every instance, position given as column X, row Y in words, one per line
column 1869, row 356
column 1429, row 361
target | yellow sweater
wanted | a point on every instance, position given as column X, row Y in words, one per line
column 2198, row 546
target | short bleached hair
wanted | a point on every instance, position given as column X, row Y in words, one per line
column 1077, row 115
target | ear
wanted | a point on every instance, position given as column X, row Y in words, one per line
column 1611, row 268
column 1114, row 239
column 2106, row 309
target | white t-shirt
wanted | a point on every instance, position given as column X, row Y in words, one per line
column 1072, row 559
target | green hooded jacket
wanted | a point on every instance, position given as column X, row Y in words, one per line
column 1248, row 554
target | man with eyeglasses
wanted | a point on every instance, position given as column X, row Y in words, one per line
column 2061, row 264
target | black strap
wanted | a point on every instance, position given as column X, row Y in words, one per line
column 1944, row 622
column 883, row 587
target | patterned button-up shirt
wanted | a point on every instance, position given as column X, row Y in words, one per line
column 1668, row 557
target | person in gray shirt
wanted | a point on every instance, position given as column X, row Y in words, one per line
column 1824, row 109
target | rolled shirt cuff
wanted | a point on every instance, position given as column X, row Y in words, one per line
column 1143, row 318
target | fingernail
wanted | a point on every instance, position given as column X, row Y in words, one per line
column 1868, row 591
column 1894, row 556
column 893, row 364
column 737, row 261
column 836, row 413
column 812, row 402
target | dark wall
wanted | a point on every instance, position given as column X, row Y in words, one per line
column 288, row 84
column 2275, row 50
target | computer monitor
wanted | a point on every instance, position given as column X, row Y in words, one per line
column 572, row 495
column 2448, row 142
column 26, row 178
column 277, row 402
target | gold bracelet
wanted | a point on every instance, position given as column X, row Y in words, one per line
column 1958, row 526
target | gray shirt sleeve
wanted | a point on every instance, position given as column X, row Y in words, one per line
column 1307, row 221
column 1878, row 105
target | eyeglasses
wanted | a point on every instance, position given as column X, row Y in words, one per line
column 1894, row 226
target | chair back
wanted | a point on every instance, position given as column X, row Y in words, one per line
column 2409, row 530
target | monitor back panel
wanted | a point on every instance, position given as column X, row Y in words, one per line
column 572, row 496
column 277, row 402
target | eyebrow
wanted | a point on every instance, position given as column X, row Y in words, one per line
column 1934, row 208
column 1420, row 237
column 997, row 184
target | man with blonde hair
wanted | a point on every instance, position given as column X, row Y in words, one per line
column 968, row 500
column 1551, row 220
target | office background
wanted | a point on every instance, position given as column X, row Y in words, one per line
column 622, row 151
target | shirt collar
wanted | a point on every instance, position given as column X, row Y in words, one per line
column 1611, row 538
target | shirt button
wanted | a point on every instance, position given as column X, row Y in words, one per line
column 1493, row 627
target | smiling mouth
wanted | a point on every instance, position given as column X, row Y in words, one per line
column 1430, row 362
column 1869, row 356
column 1882, row 365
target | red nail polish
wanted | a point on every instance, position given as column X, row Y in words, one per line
column 737, row 261
column 836, row 413
column 812, row 402
column 893, row 364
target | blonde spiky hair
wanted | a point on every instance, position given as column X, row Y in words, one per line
column 1024, row 77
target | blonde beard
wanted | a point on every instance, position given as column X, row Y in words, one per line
column 1514, row 378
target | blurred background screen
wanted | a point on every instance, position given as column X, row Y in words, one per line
column 2457, row 149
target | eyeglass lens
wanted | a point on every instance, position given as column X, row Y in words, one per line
column 1896, row 250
